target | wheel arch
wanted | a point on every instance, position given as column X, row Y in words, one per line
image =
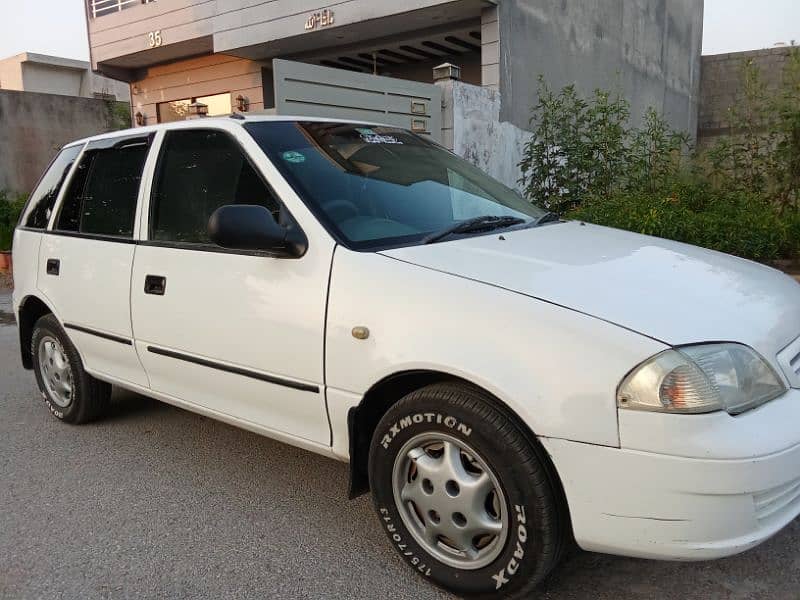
column 31, row 309
column 364, row 418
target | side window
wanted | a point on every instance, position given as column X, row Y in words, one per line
column 102, row 196
column 198, row 171
column 44, row 197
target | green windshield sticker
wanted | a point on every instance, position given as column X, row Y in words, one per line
column 365, row 131
column 293, row 157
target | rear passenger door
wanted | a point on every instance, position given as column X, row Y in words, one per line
column 85, row 261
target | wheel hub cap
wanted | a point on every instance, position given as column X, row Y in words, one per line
column 450, row 500
column 56, row 372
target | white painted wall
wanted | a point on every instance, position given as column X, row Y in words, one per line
column 473, row 130
column 46, row 79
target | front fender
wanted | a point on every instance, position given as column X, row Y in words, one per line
column 556, row 368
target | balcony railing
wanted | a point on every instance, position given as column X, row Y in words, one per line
column 99, row 8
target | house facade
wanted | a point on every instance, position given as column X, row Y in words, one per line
column 374, row 60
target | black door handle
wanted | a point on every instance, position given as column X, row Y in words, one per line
column 53, row 266
column 155, row 285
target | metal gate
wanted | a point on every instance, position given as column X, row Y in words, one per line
column 313, row 91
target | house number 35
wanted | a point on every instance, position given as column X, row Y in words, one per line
column 154, row 39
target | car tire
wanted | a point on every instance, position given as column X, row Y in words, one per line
column 433, row 456
column 71, row 394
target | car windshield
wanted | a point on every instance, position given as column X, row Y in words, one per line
column 379, row 187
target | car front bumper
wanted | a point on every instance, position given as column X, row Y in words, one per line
column 652, row 505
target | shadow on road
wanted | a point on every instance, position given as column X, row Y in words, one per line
column 127, row 405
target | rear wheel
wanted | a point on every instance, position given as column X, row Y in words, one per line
column 465, row 497
column 71, row 394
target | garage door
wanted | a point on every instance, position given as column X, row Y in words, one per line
column 313, row 91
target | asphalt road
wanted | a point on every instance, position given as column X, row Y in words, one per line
column 156, row 502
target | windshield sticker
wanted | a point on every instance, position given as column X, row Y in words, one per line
column 380, row 139
column 294, row 157
column 369, row 136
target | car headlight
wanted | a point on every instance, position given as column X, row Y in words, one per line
column 700, row 379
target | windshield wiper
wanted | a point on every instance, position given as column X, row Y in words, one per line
column 484, row 223
column 548, row 217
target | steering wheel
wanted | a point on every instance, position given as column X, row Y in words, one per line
column 341, row 210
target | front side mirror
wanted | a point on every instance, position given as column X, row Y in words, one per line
column 251, row 227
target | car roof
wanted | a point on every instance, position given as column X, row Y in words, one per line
column 227, row 120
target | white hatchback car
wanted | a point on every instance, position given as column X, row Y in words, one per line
column 501, row 380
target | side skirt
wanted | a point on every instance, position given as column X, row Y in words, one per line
column 218, row 416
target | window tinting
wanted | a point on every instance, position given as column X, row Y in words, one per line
column 102, row 197
column 44, row 197
column 379, row 186
column 200, row 170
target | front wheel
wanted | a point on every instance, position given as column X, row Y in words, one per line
column 463, row 495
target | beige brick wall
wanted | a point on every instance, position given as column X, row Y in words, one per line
column 721, row 86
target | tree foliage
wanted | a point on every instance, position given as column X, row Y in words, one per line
column 586, row 147
column 741, row 195
column 10, row 208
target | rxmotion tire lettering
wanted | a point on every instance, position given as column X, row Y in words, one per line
column 419, row 418
column 507, row 572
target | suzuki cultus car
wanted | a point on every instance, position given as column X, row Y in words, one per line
column 502, row 381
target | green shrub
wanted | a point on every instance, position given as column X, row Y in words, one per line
column 733, row 222
column 10, row 209
column 586, row 147
column 762, row 152
column 793, row 221
column 741, row 196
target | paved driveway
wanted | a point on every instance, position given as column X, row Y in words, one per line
column 156, row 502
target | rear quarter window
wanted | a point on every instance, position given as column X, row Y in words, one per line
column 43, row 198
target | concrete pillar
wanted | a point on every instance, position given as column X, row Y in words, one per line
column 490, row 48
column 446, row 85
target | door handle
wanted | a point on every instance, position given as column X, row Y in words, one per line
column 155, row 285
column 53, row 266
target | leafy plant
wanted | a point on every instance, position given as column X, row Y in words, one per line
column 656, row 155
column 118, row 115
column 10, row 209
column 732, row 222
column 742, row 196
column 583, row 148
column 787, row 109
column 762, row 153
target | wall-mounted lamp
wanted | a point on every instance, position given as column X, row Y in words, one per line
column 242, row 103
column 140, row 119
column 197, row 110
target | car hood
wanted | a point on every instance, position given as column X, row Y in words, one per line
column 673, row 292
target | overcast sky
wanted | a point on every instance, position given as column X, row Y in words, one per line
column 58, row 26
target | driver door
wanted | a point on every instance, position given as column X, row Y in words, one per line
column 237, row 333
